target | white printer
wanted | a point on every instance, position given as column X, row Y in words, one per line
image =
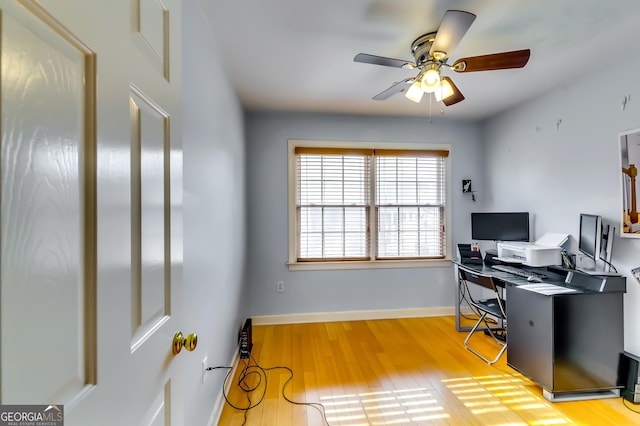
column 545, row 251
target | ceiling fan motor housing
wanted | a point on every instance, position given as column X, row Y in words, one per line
column 420, row 48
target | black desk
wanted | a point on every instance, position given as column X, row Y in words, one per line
column 567, row 339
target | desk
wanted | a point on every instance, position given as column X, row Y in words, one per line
column 569, row 341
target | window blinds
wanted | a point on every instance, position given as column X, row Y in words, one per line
column 334, row 192
column 410, row 206
column 333, row 204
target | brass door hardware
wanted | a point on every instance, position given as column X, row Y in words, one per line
column 189, row 343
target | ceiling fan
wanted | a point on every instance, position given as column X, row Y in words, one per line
column 431, row 51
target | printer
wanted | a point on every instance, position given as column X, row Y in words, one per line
column 543, row 252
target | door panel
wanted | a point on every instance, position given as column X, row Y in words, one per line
column 91, row 209
column 151, row 278
column 151, row 29
column 157, row 414
column 48, row 250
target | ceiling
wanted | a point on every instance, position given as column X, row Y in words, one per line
column 297, row 55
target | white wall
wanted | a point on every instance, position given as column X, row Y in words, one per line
column 214, row 215
column 352, row 290
column 558, row 172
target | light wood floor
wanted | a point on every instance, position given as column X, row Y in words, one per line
column 397, row 372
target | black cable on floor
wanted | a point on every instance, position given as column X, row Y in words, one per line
column 255, row 370
column 316, row 405
column 628, row 407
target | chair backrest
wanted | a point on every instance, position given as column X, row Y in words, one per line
column 485, row 281
column 482, row 280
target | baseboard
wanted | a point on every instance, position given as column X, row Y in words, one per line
column 219, row 406
column 352, row 315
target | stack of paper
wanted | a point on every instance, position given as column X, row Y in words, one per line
column 547, row 289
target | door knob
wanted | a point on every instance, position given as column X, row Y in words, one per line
column 190, row 342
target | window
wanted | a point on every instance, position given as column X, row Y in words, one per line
column 332, row 204
column 410, row 204
column 375, row 203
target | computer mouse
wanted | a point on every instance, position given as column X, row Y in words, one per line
column 533, row 279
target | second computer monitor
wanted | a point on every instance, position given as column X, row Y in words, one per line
column 590, row 238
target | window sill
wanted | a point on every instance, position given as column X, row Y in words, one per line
column 378, row 264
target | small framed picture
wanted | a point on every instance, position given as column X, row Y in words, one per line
column 629, row 163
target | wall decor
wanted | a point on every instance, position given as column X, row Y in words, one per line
column 629, row 163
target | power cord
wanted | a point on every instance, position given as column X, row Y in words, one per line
column 315, row 405
column 610, row 265
column 242, row 385
column 624, row 402
column 255, row 370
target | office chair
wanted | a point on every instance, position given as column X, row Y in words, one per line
column 495, row 306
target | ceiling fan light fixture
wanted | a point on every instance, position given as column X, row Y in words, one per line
column 443, row 91
column 430, row 80
column 414, row 92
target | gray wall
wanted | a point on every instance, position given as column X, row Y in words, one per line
column 214, row 215
column 351, row 290
column 558, row 172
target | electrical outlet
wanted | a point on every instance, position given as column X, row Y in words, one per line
column 204, row 369
column 280, row 286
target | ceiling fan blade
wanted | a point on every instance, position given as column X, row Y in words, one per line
column 457, row 94
column 381, row 60
column 453, row 27
column 395, row 88
column 495, row 61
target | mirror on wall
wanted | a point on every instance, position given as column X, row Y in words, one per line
column 630, row 161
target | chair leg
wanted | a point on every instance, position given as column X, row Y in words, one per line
column 482, row 320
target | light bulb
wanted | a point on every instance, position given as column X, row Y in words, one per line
column 414, row 92
column 443, row 91
column 430, row 80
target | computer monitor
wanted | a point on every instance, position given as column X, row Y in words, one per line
column 500, row 226
column 590, row 238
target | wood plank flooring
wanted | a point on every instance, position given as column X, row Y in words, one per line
column 395, row 372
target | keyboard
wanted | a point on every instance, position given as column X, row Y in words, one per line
column 518, row 271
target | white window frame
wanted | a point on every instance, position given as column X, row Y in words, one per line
column 293, row 263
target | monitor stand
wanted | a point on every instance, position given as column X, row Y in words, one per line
column 588, row 265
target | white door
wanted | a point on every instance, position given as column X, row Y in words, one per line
column 91, row 234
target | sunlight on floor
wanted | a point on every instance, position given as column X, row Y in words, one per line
column 504, row 393
column 486, row 397
column 384, row 407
